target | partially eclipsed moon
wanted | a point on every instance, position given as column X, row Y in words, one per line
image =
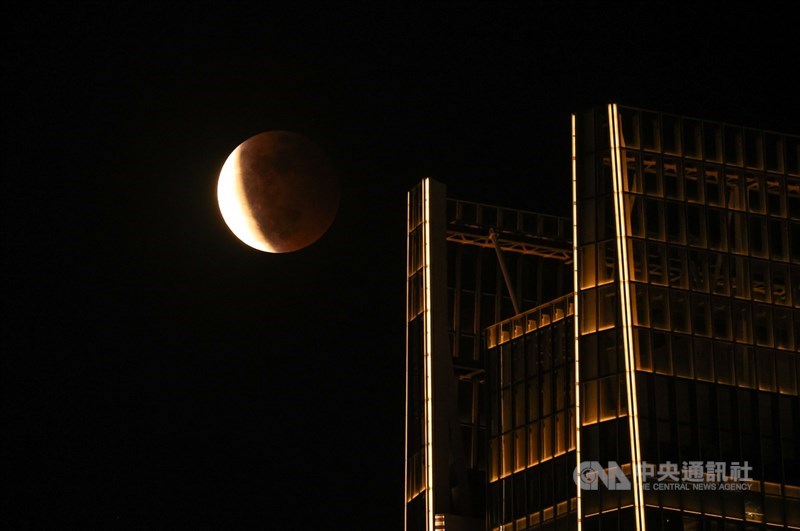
column 277, row 192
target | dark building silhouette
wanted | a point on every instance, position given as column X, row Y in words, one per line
column 654, row 332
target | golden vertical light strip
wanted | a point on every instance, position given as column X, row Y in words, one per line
column 428, row 352
column 626, row 313
column 408, row 287
column 633, row 403
column 576, row 317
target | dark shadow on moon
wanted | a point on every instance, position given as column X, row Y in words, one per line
column 290, row 187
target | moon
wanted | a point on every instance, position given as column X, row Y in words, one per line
column 278, row 192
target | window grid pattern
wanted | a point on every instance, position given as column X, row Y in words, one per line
column 532, row 434
column 712, row 220
column 478, row 298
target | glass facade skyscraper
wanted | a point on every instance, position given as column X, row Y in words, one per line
column 656, row 332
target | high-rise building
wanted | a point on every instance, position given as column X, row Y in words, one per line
column 634, row 366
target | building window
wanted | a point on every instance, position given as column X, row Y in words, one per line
column 673, row 179
column 735, row 186
column 718, row 273
column 778, row 240
column 740, row 277
column 637, row 250
column 760, row 281
column 519, row 405
column 633, row 174
column 721, row 318
column 682, row 356
column 641, row 315
column 717, row 231
column 520, row 453
column 765, row 367
column 701, row 315
column 659, row 308
column 654, row 219
column 679, row 308
column 671, row 138
column 754, row 149
column 508, row 454
column 678, row 268
column 776, row 199
column 757, row 236
column 589, row 406
column 657, row 263
column 606, row 222
column 742, row 331
column 692, row 139
column 723, row 363
column 630, row 127
column 607, row 310
column 784, row 336
column 785, row 369
column 587, row 221
column 606, row 261
column 703, row 362
column 712, row 142
column 794, row 244
column 793, row 197
column 781, row 292
column 494, row 464
column 695, row 226
column 635, row 213
column 762, row 325
column 533, row 443
column 698, row 271
column 547, row 437
column 713, row 186
column 662, row 360
column 733, row 146
column 676, row 230
column 755, row 193
column 533, row 399
column 588, row 266
column 588, row 313
column 745, row 367
column 644, row 361
column 737, row 232
column 609, row 397
column 650, row 131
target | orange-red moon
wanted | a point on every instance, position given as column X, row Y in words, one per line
column 278, row 192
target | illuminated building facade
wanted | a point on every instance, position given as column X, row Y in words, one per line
column 457, row 287
column 659, row 325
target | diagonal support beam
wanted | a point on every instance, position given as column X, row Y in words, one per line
column 502, row 261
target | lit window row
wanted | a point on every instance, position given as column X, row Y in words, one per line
column 540, row 495
column 529, row 321
column 541, row 353
column 540, row 441
column 741, row 513
column 529, row 401
column 695, row 139
column 718, row 317
column 716, row 229
column 603, row 399
column 717, row 361
column 712, row 272
column 709, row 184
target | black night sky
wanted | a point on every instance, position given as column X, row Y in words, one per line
column 158, row 373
